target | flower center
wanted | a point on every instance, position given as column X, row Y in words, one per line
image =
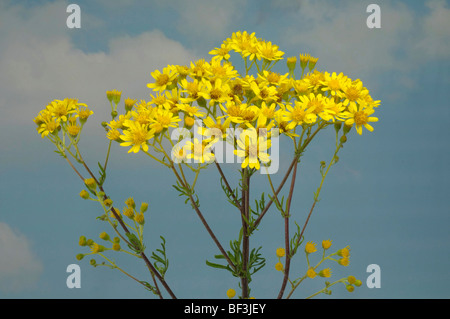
column 215, row 94
column 334, row 84
column 234, row 111
column 198, row 149
column 253, row 151
column 163, row 79
column 360, row 118
column 139, row 137
column 298, row 114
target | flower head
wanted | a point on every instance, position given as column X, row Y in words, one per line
column 310, row 247
column 136, row 136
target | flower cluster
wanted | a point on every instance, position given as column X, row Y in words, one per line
column 68, row 115
column 312, row 271
column 213, row 93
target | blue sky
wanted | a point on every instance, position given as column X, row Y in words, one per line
column 387, row 197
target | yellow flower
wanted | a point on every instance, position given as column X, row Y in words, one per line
column 302, row 86
column 263, row 92
column 279, row 266
column 163, row 119
column 129, row 212
column 252, row 148
column 334, row 83
column 114, row 96
column 360, row 116
column 139, row 218
column 325, row 273
column 240, row 40
column 310, row 247
column 231, row 293
column 344, row 252
column 353, row 91
column 214, row 128
column 344, row 261
column 162, row 80
column 191, row 110
column 269, row 51
column 194, row 89
column 218, row 69
column 222, row 52
column 351, row 280
column 217, row 92
column 179, row 154
column 199, row 151
column 199, row 68
column 130, row 202
column 90, row 182
column 304, row 59
column 108, row 202
column 136, row 136
column 113, row 134
column 318, row 105
column 326, row 244
column 160, row 100
column 73, row 129
column 48, row 127
column 298, row 115
column 96, row 248
column 281, row 252
column 84, row 194
column 311, row 273
column 129, row 103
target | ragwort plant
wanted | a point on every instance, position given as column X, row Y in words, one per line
column 192, row 110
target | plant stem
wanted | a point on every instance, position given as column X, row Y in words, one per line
column 286, row 233
column 124, row 227
column 245, row 240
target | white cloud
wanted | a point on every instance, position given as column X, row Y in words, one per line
column 39, row 62
column 435, row 36
column 337, row 33
column 19, row 267
column 202, row 20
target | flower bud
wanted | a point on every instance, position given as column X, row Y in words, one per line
column 104, row 236
column 129, row 103
column 82, row 241
column 279, row 266
column 116, row 246
column 325, row 273
column 90, row 182
column 347, row 128
column 337, row 126
column 129, row 212
column 231, row 293
column 326, row 244
column 350, row 288
column 108, row 202
column 80, row 256
column 351, row 279
column 281, row 252
column 343, row 139
column 144, row 207
column 189, row 121
column 291, row 62
column 93, row 262
column 139, row 218
column 114, row 114
column 84, row 194
column 116, row 240
column 130, row 202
